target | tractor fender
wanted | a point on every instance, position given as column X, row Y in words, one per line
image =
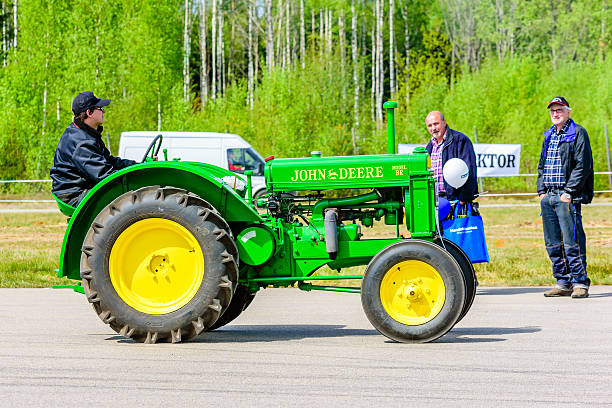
column 202, row 179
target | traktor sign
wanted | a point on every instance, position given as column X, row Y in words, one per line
column 492, row 160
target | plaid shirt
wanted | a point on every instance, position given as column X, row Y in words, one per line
column 436, row 161
column 553, row 170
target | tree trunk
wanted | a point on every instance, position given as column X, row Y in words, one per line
column 321, row 28
column 312, row 24
column 374, row 76
column 602, row 40
column 279, row 34
column 287, row 35
column 255, row 50
column 354, row 54
column 404, row 10
column 203, row 53
column 391, row 50
column 15, row 30
column 221, row 50
column 553, row 50
column 230, row 67
column 213, row 31
column 302, row 36
column 330, row 26
column 187, row 52
column 269, row 36
column 4, row 42
column 250, row 54
column 342, row 36
column 159, row 112
column 379, row 61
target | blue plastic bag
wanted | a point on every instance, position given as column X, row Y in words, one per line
column 468, row 233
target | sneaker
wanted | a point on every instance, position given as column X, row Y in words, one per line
column 580, row 293
column 556, row 292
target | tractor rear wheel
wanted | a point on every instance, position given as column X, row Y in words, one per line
column 240, row 301
column 413, row 291
column 469, row 274
column 159, row 264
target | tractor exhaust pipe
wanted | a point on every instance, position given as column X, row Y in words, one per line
column 331, row 232
column 390, row 106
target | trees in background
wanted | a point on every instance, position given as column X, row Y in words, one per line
column 294, row 76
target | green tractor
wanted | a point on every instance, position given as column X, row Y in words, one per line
column 166, row 250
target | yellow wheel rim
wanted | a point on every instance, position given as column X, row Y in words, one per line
column 156, row 266
column 412, row 292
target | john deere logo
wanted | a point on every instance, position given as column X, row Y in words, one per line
column 343, row 173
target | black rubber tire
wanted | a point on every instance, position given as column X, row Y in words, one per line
column 444, row 264
column 469, row 274
column 220, row 264
column 240, row 301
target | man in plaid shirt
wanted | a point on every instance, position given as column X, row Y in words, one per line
column 565, row 182
column 446, row 144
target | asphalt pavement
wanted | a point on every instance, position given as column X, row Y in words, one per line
column 514, row 348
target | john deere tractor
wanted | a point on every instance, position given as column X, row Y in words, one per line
column 166, row 250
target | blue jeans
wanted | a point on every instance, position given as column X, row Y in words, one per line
column 565, row 241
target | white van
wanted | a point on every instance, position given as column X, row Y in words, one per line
column 225, row 150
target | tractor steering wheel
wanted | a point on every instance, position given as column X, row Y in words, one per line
column 152, row 148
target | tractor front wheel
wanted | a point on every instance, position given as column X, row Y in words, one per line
column 159, row 264
column 413, row 291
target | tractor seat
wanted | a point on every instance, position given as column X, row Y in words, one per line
column 66, row 209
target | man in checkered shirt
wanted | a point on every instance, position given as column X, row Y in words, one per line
column 565, row 182
column 446, row 144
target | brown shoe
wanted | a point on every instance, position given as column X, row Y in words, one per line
column 580, row 293
column 556, row 292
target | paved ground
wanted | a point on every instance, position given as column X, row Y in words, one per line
column 291, row 348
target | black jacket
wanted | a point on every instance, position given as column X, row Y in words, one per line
column 82, row 160
column 577, row 161
column 459, row 145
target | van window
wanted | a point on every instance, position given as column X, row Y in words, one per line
column 241, row 159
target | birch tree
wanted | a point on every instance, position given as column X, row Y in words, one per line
column 269, row 36
column 302, row 36
column 392, row 49
column 288, row 34
column 221, row 69
column 354, row 55
column 404, row 11
column 251, row 16
column 379, row 61
column 203, row 52
column 213, row 32
column 230, row 66
column 602, row 38
column 321, row 37
column 15, row 30
column 4, row 34
column 373, row 64
column 342, row 36
column 186, row 50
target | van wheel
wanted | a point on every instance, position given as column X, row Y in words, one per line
column 159, row 265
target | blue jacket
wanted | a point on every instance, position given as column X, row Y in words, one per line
column 82, row 160
column 577, row 161
column 459, row 145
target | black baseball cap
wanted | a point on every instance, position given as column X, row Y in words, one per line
column 558, row 100
column 87, row 100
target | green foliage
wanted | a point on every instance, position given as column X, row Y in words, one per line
column 132, row 53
